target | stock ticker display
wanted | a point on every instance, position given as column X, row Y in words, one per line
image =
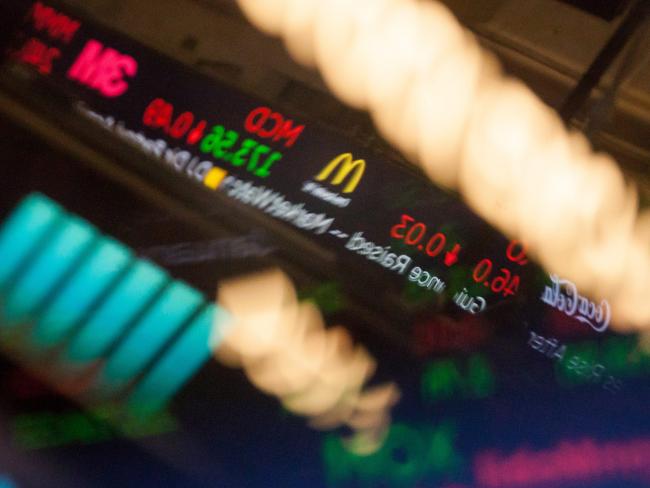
column 509, row 377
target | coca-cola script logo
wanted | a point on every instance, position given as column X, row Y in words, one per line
column 563, row 295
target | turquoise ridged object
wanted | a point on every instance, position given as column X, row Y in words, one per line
column 88, row 297
column 143, row 281
column 191, row 350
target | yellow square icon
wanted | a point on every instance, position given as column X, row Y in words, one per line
column 213, row 177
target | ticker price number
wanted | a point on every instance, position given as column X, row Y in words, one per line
column 504, row 282
column 414, row 234
column 159, row 114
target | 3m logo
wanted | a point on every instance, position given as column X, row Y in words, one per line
column 345, row 165
column 103, row 69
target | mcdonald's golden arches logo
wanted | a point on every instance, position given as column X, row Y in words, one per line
column 344, row 165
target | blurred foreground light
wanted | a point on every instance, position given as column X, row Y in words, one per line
column 285, row 350
column 445, row 104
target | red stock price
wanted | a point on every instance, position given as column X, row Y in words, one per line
column 503, row 281
column 415, row 234
column 159, row 114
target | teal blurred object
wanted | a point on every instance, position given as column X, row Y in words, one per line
column 88, row 297
column 45, row 271
column 166, row 316
column 94, row 275
column 134, row 291
column 6, row 482
column 190, row 350
column 23, row 231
